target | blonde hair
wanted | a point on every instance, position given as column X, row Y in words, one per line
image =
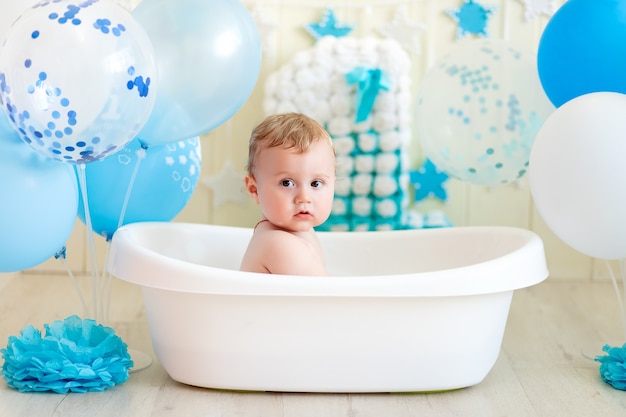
column 285, row 130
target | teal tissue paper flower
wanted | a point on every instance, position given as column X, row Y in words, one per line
column 613, row 366
column 75, row 355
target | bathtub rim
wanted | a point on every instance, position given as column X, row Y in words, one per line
column 125, row 257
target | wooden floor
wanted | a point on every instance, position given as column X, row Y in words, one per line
column 541, row 370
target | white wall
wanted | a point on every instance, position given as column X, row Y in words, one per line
column 509, row 205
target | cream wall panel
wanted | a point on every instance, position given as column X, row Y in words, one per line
column 509, row 205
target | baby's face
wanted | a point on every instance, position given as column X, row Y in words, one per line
column 295, row 190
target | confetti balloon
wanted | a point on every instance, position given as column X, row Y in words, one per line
column 38, row 205
column 478, row 111
column 209, row 57
column 158, row 181
column 77, row 80
column 5, row 127
column 11, row 10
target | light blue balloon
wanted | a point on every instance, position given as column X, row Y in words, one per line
column 38, row 205
column 208, row 55
column 582, row 50
column 165, row 177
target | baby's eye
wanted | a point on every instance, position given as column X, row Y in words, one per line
column 316, row 183
column 287, row 183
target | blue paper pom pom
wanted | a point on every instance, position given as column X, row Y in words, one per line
column 75, row 355
column 613, row 366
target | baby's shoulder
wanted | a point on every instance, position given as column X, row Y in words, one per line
column 283, row 252
column 272, row 238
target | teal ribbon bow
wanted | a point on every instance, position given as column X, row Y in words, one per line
column 369, row 82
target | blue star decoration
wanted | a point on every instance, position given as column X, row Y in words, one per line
column 428, row 181
column 472, row 18
column 328, row 26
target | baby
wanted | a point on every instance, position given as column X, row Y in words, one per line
column 291, row 175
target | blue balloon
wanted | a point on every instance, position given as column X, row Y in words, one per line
column 582, row 50
column 208, row 53
column 165, row 177
column 38, row 205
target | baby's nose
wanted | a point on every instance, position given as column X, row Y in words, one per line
column 302, row 196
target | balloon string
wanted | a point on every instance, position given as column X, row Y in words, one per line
column 106, row 280
column 617, row 291
column 141, row 154
column 105, row 288
column 623, row 273
column 82, row 180
column 62, row 256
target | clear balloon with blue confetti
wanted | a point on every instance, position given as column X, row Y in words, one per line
column 478, row 111
column 5, row 127
column 77, row 79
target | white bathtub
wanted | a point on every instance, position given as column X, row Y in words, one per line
column 419, row 310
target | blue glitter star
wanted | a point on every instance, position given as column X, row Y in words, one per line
column 428, row 181
column 328, row 26
column 472, row 18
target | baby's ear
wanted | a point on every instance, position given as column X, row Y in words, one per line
column 251, row 188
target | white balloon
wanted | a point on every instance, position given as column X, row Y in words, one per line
column 577, row 174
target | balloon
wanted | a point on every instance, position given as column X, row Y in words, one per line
column 209, row 57
column 478, row 110
column 166, row 177
column 6, row 130
column 577, row 174
column 582, row 50
column 11, row 10
column 38, row 205
column 77, row 81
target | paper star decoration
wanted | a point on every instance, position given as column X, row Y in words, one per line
column 227, row 186
column 428, row 181
column 266, row 29
column 404, row 31
column 536, row 8
column 328, row 26
column 472, row 18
